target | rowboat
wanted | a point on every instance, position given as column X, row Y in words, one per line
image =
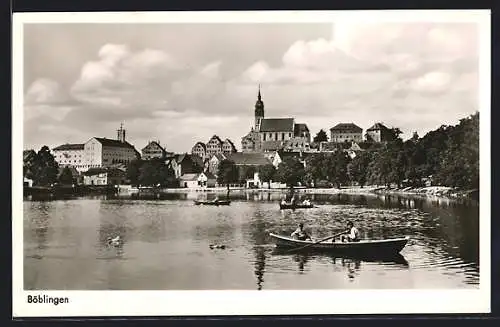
column 378, row 247
column 213, row 203
column 295, row 206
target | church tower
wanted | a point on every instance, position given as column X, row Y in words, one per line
column 259, row 111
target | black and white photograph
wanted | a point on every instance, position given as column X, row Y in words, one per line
column 251, row 163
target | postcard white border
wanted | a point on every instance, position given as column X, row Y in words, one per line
column 189, row 303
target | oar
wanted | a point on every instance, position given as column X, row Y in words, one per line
column 322, row 240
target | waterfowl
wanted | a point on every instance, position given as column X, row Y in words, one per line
column 114, row 241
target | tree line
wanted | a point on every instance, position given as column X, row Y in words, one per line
column 449, row 156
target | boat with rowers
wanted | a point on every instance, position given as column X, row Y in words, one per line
column 213, row 203
column 384, row 246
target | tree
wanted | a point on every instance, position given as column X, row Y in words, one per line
column 357, row 169
column 337, row 168
column 155, row 172
column 227, row 173
column 44, row 169
column 66, row 176
column 320, row 137
column 267, row 173
column 133, row 171
column 316, row 167
column 290, row 171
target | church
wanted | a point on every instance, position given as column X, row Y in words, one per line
column 273, row 134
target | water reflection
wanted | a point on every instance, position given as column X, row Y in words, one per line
column 170, row 237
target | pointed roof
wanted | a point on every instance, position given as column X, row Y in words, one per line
column 200, row 144
column 376, row 127
column 216, row 137
column 299, row 128
column 153, row 143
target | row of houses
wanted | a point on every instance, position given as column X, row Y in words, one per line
column 214, row 146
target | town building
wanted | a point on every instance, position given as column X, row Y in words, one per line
column 96, row 153
column 270, row 134
column 71, row 155
column 378, row 133
column 200, row 150
column 214, row 145
column 346, row 132
column 228, row 147
column 198, row 180
column 184, row 164
column 281, row 155
column 214, row 162
column 153, row 150
column 104, row 176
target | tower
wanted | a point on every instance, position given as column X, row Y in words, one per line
column 120, row 134
column 259, row 111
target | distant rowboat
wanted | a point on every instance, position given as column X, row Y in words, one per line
column 386, row 246
column 213, row 203
column 295, row 206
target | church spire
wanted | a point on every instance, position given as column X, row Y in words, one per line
column 259, row 97
column 259, row 110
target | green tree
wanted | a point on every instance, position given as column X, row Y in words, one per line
column 66, row 177
column 227, row 173
column 320, row 137
column 291, row 172
column 267, row 173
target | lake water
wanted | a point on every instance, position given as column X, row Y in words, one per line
column 166, row 243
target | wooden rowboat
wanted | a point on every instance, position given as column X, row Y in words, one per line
column 295, row 206
column 376, row 247
column 213, row 203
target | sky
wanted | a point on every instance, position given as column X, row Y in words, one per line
column 182, row 83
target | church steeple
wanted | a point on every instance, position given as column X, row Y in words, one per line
column 259, row 110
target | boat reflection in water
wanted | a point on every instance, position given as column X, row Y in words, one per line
column 352, row 262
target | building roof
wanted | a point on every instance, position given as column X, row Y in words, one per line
column 153, row 143
column 376, row 127
column 114, row 143
column 288, row 154
column 343, row 127
column 299, row 128
column 215, row 137
column 200, row 144
column 67, row 146
column 230, row 143
column 190, row 177
column 276, row 125
column 250, row 159
column 28, row 153
column 219, row 156
column 111, row 171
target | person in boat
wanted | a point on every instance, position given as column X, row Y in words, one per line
column 353, row 235
column 283, row 201
column 306, row 202
column 301, row 234
column 216, row 199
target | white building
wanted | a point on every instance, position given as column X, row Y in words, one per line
column 71, row 155
column 96, row 153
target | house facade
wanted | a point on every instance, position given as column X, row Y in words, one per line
column 346, row 132
column 153, row 150
column 200, row 150
column 214, row 145
column 228, row 147
column 104, row 176
column 377, row 133
column 71, row 155
column 214, row 161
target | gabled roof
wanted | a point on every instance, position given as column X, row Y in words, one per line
column 200, row 144
column 250, row 159
column 219, row 156
column 276, row 125
column 299, row 128
column 153, row 143
column 376, row 127
column 343, row 127
column 66, row 147
column 114, row 143
column 228, row 141
column 216, row 138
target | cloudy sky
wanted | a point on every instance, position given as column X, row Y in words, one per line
column 182, row 83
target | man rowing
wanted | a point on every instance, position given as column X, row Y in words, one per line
column 353, row 235
column 300, row 233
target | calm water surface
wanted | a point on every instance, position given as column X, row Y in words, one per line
column 166, row 244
